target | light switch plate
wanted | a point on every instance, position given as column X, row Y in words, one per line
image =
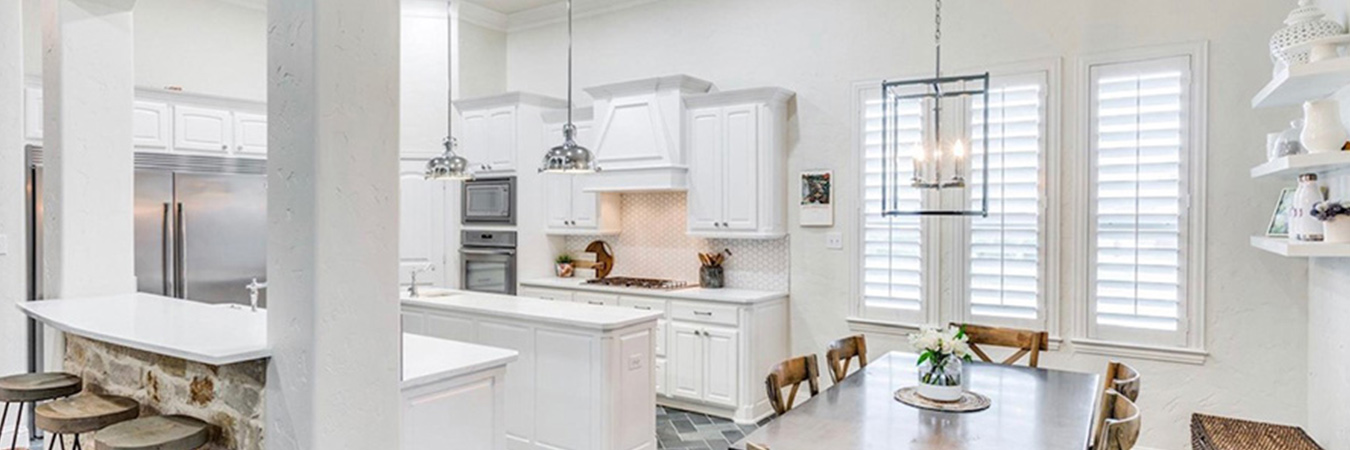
column 834, row 241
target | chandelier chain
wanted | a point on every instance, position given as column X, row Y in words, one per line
column 937, row 36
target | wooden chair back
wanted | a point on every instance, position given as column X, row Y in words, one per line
column 1120, row 430
column 1120, row 379
column 754, row 446
column 1026, row 342
column 841, row 354
column 792, row 372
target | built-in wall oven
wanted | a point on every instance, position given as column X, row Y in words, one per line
column 489, row 201
column 488, row 259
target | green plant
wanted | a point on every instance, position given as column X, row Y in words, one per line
column 564, row 259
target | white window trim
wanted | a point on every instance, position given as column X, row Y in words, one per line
column 951, row 303
column 1193, row 349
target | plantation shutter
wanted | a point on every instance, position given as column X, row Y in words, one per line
column 892, row 268
column 1003, row 272
column 1139, row 147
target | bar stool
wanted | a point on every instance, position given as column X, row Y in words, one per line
column 84, row 413
column 157, row 433
column 34, row 388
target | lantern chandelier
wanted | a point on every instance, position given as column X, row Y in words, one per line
column 919, row 161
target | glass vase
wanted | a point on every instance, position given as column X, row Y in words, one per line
column 940, row 379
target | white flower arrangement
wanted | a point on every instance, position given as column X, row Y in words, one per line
column 940, row 348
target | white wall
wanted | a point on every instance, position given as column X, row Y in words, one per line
column 482, row 55
column 1256, row 307
column 211, row 47
column 13, row 263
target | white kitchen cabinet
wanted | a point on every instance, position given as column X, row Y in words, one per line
column 686, row 379
column 705, row 359
column 422, row 231
column 500, row 130
column 546, row 294
column 640, row 133
column 454, row 392
column 250, row 134
column 572, row 210
column 205, row 130
column 594, row 299
column 738, row 164
column 151, row 125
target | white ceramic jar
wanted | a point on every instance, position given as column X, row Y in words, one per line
column 1322, row 129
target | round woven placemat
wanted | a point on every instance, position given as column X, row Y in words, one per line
column 969, row 402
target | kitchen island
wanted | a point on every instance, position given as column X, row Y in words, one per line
column 585, row 378
column 210, row 362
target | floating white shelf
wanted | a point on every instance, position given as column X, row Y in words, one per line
column 1284, row 247
column 1297, row 164
column 1304, row 82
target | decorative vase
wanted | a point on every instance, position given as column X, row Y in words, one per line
column 1303, row 227
column 712, row 277
column 1337, row 230
column 940, row 379
column 1305, row 23
column 564, row 270
column 1322, row 129
column 1287, row 144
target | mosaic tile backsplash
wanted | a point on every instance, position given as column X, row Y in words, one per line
column 654, row 244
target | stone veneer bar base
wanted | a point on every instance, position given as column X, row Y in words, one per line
column 229, row 397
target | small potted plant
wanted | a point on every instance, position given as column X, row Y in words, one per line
column 1335, row 217
column 564, row 267
column 941, row 354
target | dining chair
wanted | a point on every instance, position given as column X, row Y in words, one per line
column 842, row 352
column 792, row 372
column 1026, row 342
column 754, row 446
column 1121, row 379
column 1120, row 430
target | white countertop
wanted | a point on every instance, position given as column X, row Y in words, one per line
column 536, row 310
column 210, row 334
column 738, row 296
column 428, row 360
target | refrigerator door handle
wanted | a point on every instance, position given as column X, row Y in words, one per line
column 180, row 252
column 166, row 253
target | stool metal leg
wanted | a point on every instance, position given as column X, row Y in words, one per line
column 18, row 422
column 77, row 442
column 5, row 416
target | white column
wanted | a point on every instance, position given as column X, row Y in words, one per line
column 333, row 321
column 13, row 260
column 88, row 168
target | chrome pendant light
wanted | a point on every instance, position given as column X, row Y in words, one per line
column 569, row 157
column 449, row 166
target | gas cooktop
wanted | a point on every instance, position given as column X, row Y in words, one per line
column 640, row 283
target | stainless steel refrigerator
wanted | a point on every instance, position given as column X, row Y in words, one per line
column 201, row 226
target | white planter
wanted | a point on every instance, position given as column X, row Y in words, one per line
column 1337, row 230
column 940, row 393
column 1322, row 129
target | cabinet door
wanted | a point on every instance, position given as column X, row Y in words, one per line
column 661, row 376
column 421, row 239
column 559, row 200
column 501, row 129
column 720, row 359
column 453, row 328
column 150, row 125
column 740, row 193
column 202, row 129
column 705, row 170
column 250, row 134
column 519, row 375
column 473, row 139
column 686, row 361
column 584, row 211
column 414, row 322
column 596, row 299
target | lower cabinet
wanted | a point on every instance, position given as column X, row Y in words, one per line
column 706, row 359
column 546, row 294
column 468, row 411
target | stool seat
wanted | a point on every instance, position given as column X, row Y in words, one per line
column 36, row 387
column 1223, row 433
column 85, row 412
column 155, row 433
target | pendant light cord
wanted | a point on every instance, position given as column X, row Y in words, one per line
column 569, row 65
column 450, row 77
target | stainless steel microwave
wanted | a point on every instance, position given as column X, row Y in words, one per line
column 489, row 201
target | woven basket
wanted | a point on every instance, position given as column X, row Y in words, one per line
column 1222, row 433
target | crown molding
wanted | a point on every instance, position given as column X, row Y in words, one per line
column 557, row 13
column 482, row 16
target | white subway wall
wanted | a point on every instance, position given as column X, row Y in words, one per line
column 1256, row 307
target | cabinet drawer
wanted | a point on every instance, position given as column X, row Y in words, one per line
column 588, row 298
column 702, row 312
column 645, row 304
column 545, row 294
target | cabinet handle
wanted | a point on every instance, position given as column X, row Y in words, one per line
column 595, row 303
column 644, row 308
column 703, row 313
column 224, row 147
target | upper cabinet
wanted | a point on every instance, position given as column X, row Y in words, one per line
column 498, row 128
column 205, row 130
column 572, row 208
column 151, row 125
column 250, row 134
column 737, row 143
column 640, row 135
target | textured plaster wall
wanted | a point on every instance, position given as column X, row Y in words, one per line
column 332, row 240
column 1256, row 309
column 13, row 283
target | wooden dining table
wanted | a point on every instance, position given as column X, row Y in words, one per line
column 1032, row 409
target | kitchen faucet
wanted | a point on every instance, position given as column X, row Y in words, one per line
column 253, row 289
column 412, row 290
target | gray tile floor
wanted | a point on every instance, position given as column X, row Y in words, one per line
column 677, row 429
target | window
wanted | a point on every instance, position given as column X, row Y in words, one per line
column 998, row 263
column 1144, row 139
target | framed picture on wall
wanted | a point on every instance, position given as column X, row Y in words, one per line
column 817, row 202
column 1279, row 219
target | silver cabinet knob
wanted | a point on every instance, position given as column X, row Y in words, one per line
column 224, row 147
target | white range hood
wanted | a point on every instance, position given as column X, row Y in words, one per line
column 639, row 134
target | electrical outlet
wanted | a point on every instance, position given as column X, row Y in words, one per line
column 834, row 241
column 635, row 362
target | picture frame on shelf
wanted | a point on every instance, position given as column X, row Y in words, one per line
column 1279, row 219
